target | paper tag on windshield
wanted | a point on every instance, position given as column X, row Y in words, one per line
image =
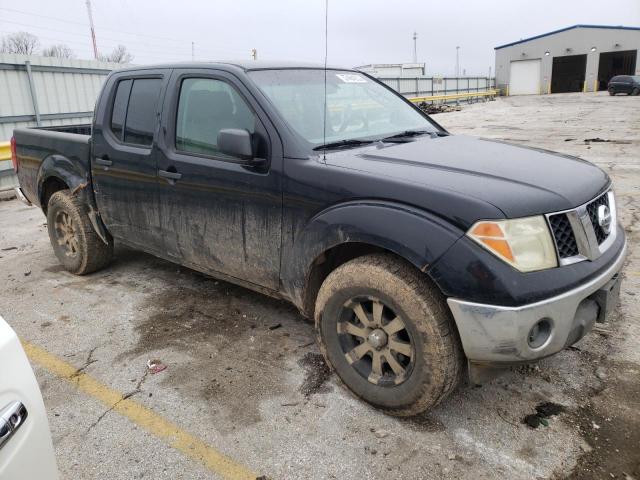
column 351, row 78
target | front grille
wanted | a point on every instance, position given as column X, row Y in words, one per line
column 577, row 233
column 563, row 235
column 592, row 210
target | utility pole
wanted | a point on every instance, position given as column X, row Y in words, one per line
column 457, row 61
column 254, row 54
column 193, row 51
column 93, row 32
column 415, row 47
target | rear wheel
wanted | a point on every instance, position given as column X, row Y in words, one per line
column 635, row 91
column 75, row 243
column 388, row 334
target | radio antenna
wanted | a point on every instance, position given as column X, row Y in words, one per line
column 326, row 49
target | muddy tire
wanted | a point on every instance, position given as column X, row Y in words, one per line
column 75, row 243
column 387, row 332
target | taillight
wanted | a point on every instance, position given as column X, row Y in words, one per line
column 14, row 154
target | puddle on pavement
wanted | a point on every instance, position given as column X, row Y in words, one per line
column 234, row 361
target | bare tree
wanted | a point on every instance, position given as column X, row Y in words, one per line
column 119, row 55
column 60, row 50
column 23, row 43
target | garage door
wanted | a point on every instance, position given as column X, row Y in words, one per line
column 525, row 77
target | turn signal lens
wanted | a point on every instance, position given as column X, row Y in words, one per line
column 499, row 246
column 487, row 229
column 524, row 243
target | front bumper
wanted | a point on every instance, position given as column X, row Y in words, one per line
column 493, row 334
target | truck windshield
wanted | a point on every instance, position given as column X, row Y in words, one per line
column 357, row 107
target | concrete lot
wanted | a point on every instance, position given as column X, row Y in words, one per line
column 245, row 378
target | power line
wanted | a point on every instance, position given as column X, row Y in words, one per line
column 113, row 42
column 58, row 19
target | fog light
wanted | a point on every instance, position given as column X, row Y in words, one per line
column 539, row 333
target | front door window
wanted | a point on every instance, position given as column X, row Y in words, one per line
column 205, row 107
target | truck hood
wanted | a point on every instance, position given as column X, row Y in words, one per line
column 520, row 181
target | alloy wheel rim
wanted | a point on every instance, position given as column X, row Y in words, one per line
column 66, row 234
column 375, row 341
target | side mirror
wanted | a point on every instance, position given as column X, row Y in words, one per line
column 235, row 142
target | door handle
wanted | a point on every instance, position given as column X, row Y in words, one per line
column 104, row 161
column 11, row 419
column 169, row 175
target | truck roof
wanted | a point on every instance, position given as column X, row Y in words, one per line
column 245, row 65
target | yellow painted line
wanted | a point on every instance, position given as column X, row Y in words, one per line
column 635, row 274
column 165, row 430
column 5, row 151
column 454, row 96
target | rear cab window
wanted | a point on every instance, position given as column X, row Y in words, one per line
column 134, row 112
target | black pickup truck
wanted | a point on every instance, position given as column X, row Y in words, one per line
column 420, row 254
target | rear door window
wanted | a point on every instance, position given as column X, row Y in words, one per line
column 141, row 115
column 119, row 111
column 205, row 107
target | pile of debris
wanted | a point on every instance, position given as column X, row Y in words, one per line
column 432, row 108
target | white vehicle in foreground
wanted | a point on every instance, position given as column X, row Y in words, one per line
column 26, row 450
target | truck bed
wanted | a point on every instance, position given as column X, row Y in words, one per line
column 80, row 129
column 37, row 147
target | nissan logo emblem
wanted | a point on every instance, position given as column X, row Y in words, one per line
column 604, row 218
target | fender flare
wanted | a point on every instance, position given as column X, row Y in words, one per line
column 411, row 233
column 72, row 173
column 77, row 178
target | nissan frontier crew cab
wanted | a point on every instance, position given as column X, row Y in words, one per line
column 421, row 255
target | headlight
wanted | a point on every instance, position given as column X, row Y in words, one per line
column 524, row 243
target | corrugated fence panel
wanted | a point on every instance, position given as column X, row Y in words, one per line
column 424, row 86
column 62, row 86
column 14, row 93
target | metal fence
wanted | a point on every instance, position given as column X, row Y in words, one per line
column 438, row 86
column 47, row 91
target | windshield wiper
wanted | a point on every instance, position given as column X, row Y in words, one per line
column 352, row 142
column 408, row 133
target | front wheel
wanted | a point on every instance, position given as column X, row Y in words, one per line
column 635, row 91
column 387, row 332
column 612, row 92
column 75, row 243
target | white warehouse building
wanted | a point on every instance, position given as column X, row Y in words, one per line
column 580, row 58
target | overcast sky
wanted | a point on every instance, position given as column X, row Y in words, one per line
column 360, row 31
